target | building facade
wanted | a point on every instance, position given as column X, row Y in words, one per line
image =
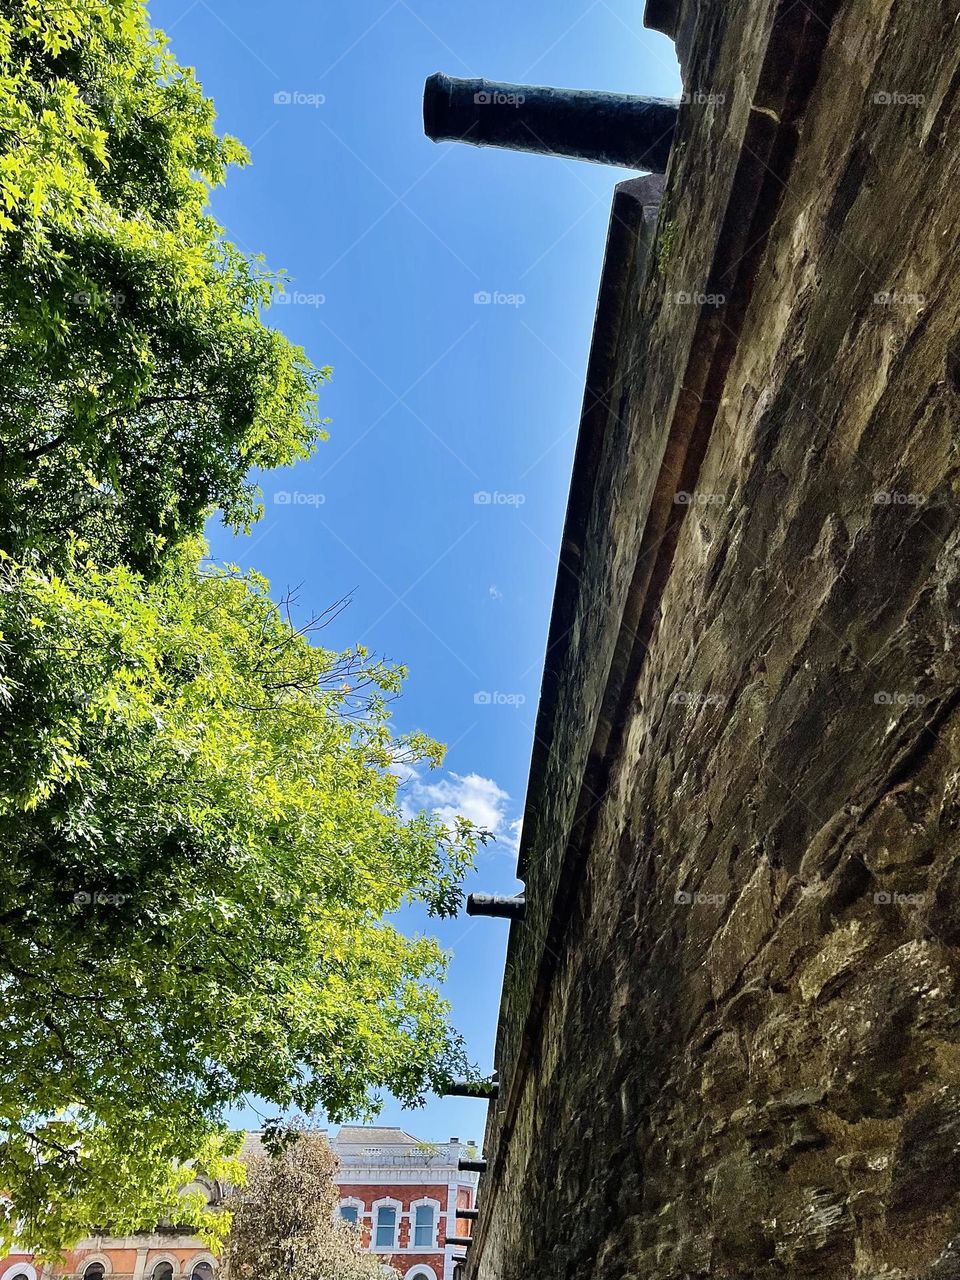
column 729, row 1043
column 156, row 1256
column 402, row 1193
column 405, row 1196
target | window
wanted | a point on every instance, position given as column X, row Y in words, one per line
column 202, row 1271
column 349, row 1213
column 95, row 1271
column 386, row 1228
column 423, row 1226
column 163, row 1271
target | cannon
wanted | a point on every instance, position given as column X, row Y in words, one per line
column 607, row 128
column 495, row 904
column 472, row 1089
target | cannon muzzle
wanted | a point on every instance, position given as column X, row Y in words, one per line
column 472, row 1089
column 496, row 904
column 608, row 128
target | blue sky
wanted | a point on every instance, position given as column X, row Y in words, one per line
column 388, row 239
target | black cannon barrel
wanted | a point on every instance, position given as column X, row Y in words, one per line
column 463, row 1241
column 472, row 1166
column 472, row 1089
column 609, row 128
column 495, row 904
column 469, row 1215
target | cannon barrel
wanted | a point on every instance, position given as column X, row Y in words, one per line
column 472, row 1089
column 469, row 1215
column 472, row 1166
column 496, row 904
column 462, row 1241
column 608, row 128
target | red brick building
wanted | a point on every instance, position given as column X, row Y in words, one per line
column 157, row 1256
column 403, row 1194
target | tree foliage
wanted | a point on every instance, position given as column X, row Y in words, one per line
column 207, row 834
column 138, row 382
column 285, row 1222
column 203, row 840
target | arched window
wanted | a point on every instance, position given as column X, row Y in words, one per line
column 423, row 1226
column 95, row 1271
column 163, row 1271
column 349, row 1213
column 386, row 1233
column 202, row 1271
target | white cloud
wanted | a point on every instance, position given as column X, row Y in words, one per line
column 468, row 795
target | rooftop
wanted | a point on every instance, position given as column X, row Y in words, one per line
column 374, row 1134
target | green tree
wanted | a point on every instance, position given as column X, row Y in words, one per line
column 284, row 1219
column 138, row 382
column 203, row 836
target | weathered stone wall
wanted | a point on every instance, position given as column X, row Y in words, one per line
column 730, row 1033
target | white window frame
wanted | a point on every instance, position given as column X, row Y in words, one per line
column 387, row 1202
column 22, row 1268
column 89, row 1260
column 351, row 1202
column 152, row 1264
column 426, row 1203
column 195, row 1261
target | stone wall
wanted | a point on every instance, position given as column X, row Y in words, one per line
column 730, row 1033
